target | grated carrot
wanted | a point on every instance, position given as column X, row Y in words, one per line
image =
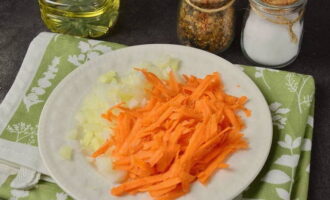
column 184, row 133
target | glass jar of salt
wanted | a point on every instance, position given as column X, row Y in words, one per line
column 272, row 31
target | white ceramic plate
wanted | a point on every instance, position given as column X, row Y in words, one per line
column 83, row 182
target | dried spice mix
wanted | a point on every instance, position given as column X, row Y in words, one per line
column 206, row 24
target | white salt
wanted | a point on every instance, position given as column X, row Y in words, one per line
column 269, row 43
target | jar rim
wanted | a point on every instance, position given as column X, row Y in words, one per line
column 295, row 5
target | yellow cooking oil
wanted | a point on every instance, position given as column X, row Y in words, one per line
column 85, row 18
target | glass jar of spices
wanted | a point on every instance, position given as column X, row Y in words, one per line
column 206, row 24
column 272, row 31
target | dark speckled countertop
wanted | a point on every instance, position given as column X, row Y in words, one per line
column 154, row 21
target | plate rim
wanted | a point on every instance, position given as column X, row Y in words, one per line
column 80, row 68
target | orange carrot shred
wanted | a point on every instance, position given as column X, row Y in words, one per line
column 102, row 149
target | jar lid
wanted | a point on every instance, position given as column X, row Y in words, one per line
column 280, row 2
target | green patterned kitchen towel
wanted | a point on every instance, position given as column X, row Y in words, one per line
column 51, row 57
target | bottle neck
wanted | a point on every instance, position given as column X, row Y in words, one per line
column 209, row 4
column 228, row 3
column 278, row 10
